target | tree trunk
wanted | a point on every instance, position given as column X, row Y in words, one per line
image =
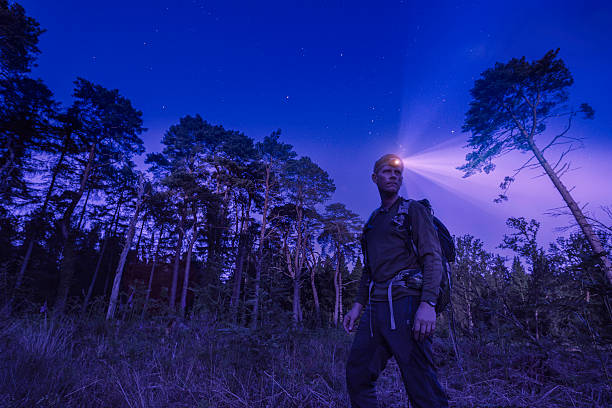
column 239, row 225
column 140, row 236
column 337, row 288
column 95, row 275
column 126, row 247
column 260, row 248
column 177, row 260
column 238, row 274
column 340, row 285
column 297, row 310
column 214, row 234
column 315, row 293
column 537, row 326
column 258, row 268
column 586, row 228
column 100, row 257
column 43, row 211
column 151, row 274
column 240, row 261
column 79, row 224
column 194, row 236
column 242, row 310
column 66, row 273
column 469, row 307
column 67, row 268
column 295, row 262
column 297, row 313
column 24, row 265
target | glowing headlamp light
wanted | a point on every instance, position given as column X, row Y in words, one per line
column 388, row 160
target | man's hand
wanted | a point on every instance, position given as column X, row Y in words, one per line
column 424, row 321
column 351, row 317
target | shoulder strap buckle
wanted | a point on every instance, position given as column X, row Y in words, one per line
column 404, row 206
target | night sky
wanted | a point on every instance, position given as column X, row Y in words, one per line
column 346, row 81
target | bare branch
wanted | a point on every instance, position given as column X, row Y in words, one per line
column 565, row 153
column 599, row 224
column 527, row 101
column 560, row 135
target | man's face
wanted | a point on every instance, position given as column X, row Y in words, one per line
column 388, row 179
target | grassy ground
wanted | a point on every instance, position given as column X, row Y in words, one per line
column 202, row 363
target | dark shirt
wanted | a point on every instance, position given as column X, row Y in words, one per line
column 387, row 254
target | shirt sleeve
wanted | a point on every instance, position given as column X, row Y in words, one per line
column 425, row 238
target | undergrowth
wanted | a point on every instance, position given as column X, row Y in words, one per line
column 66, row 362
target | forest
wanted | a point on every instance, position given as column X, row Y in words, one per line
column 218, row 274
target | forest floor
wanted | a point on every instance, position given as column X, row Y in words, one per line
column 72, row 362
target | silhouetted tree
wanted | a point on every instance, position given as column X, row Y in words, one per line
column 523, row 240
column 307, row 185
column 471, row 264
column 106, row 135
column 18, row 38
column 512, row 103
column 26, row 105
column 129, row 236
column 340, row 235
column 159, row 209
column 274, row 155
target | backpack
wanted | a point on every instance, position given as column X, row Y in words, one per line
column 447, row 246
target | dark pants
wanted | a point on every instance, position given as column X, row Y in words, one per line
column 369, row 356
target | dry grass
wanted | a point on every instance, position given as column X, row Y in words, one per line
column 203, row 363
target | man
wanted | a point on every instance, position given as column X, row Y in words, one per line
column 399, row 285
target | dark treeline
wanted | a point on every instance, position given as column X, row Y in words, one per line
column 219, row 221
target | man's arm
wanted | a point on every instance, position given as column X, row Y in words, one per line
column 426, row 240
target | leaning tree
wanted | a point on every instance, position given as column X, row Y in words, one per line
column 512, row 105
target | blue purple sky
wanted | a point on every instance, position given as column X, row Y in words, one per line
column 346, row 81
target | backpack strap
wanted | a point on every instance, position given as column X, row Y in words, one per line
column 404, row 206
column 403, row 210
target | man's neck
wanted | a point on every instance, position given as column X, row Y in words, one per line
column 388, row 200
